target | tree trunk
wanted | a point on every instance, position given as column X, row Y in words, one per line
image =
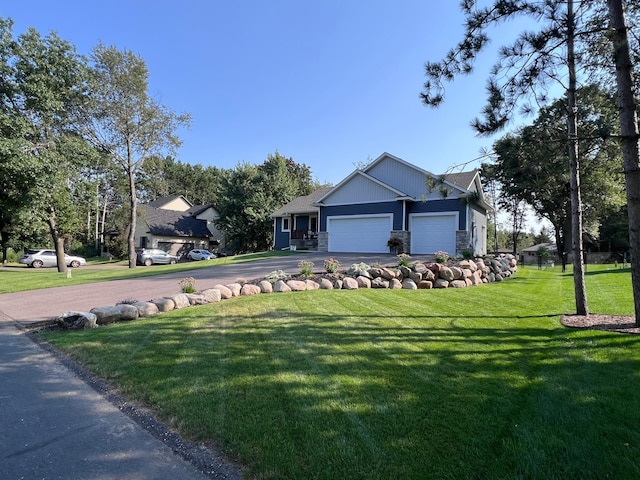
column 133, row 204
column 629, row 134
column 58, row 241
column 576, row 201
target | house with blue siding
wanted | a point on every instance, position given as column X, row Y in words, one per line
column 392, row 198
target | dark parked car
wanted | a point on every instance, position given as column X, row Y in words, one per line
column 149, row 256
column 42, row 257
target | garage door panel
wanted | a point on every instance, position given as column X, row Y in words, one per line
column 431, row 233
column 361, row 234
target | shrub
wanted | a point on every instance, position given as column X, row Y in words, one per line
column 403, row 259
column 357, row 267
column 441, row 257
column 188, row 285
column 331, row 265
column 467, row 253
column 276, row 275
column 305, row 267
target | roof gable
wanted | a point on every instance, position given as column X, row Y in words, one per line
column 360, row 187
column 176, row 203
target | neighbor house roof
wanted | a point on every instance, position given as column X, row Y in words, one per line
column 173, row 223
column 300, row 205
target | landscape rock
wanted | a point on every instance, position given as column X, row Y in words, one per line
column 164, row 304
column 146, row 309
column 77, row 320
column 441, row 283
column 250, row 289
column 457, row 284
column 297, row 285
column 350, row 283
column 181, row 300
column 225, row 292
column 457, row 273
column 265, row 286
column 415, row 276
column 395, row 284
column 409, row 284
column 212, row 295
column 425, row 284
column 112, row 314
column 235, row 289
column 196, row 299
column 446, row 274
column 326, row 284
column 311, row 285
column 388, row 273
column 363, row 282
column 281, row 287
column 420, row 268
column 379, row 282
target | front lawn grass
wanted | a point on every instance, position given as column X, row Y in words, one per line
column 476, row 383
column 16, row 278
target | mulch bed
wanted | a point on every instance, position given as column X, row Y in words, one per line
column 613, row 323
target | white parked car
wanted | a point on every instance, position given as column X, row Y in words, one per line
column 200, row 255
column 37, row 258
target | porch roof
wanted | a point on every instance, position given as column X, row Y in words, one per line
column 301, row 205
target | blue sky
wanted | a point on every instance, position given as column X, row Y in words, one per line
column 331, row 83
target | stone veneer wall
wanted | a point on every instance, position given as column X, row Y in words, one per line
column 405, row 236
column 462, row 241
column 323, row 241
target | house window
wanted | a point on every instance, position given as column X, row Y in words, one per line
column 143, row 242
column 286, row 224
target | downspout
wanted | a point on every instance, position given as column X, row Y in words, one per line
column 404, row 215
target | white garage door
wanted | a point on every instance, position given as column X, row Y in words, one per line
column 360, row 234
column 433, row 232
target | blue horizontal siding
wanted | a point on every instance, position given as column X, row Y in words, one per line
column 444, row 205
column 394, row 208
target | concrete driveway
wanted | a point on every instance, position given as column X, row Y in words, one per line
column 38, row 305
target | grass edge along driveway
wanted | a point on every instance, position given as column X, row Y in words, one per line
column 480, row 383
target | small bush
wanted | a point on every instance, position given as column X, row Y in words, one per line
column 357, row 267
column 276, row 275
column 305, row 267
column 188, row 285
column 441, row 257
column 403, row 259
column 331, row 265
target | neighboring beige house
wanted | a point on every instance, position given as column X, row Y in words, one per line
column 176, row 226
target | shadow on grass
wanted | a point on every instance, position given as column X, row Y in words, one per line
column 387, row 396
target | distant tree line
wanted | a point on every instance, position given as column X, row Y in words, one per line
column 82, row 143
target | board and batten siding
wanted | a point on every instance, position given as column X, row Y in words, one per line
column 359, row 190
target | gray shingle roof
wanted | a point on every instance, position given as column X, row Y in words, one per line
column 462, row 179
column 173, row 223
column 302, row 204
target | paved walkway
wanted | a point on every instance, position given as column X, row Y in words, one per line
column 53, row 425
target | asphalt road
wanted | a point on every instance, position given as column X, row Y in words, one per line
column 38, row 305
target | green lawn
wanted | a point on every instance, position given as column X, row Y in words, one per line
column 16, row 278
column 477, row 383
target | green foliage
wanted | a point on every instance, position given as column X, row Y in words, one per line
column 441, row 257
column 276, row 275
column 250, row 194
column 187, row 285
column 331, row 265
column 357, row 267
column 403, row 259
column 306, row 267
